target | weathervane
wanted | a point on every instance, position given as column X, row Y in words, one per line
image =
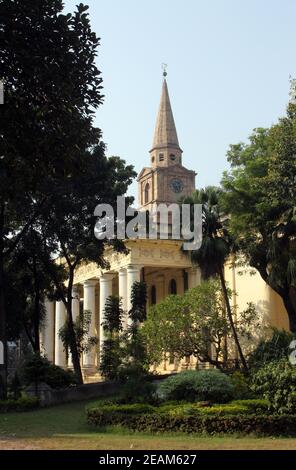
column 164, row 68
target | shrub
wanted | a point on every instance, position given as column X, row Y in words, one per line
column 38, row 369
column 256, row 406
column 15, row 387
column 21, row 404
column 272, row 349
column 56, row 377
column 272, row 425
column 131, row 409
column 242, row 389
column 192, row 386
column 276, row 382
column 138, row 390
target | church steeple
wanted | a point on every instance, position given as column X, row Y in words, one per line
column 165, row 148
column 166, row 180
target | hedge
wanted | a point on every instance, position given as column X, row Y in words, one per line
column 22, row 404
column 270, row 425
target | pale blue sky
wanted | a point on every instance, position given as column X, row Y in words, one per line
column 228, row 71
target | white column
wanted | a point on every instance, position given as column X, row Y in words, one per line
column 75, row 314
column 133, row 275
column 47, row 332
column 193, row 277
column 60, row 320
column 89, row 304
column 122, row 290
column 105, row 292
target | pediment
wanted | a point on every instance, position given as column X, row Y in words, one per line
column 145, row 171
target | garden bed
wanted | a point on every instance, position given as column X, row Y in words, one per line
column 245, row 417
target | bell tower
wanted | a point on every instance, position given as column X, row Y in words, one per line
column 166, row 180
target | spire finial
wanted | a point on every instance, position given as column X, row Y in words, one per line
column 164, row 68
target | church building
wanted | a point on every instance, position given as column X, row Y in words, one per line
column 162, row 264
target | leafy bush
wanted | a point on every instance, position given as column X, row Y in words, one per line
column 272, row 425
column 131, row 409
column 256, row 406
column 211, row 385
column 21, row 404
column 14, row 387
column 276, row 382
column 272, row 349
column 138, row 390
column 242, row 389
column 38, row 369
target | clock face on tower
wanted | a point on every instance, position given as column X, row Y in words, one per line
column 176, row 185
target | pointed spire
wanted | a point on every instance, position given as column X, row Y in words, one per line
column 165, row 134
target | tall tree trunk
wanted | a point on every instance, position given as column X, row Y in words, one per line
column 72, row 336
column 3, row 339
column 73, row 344
column 230, row 318
column 36, row 311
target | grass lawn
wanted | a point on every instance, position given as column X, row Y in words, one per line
column 64, row 427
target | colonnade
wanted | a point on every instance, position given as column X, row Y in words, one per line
column 55, row 318
column 91, row 296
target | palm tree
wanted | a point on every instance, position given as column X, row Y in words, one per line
column 216, row 247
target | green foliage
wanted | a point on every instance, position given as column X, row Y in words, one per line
column 23, row 403
column 113, row 315
column 38, row 369
column 111, row 359
column 216, row 243
column 242, row 389
column 276, row 382
column 272, row 349
column 127, row 409
column 81, row 327
column 193, row 324
column 112, row 351
column 157, row 422
column 138, row 299
column 15, row 387
column 259, row 195
column 138, row 389
column 210, row 385
column 216, row 247
column 135, row 364
column 254, row 405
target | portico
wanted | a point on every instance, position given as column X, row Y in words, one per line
column 160, row 263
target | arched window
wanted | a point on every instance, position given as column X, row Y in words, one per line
column 146, row 193
column 173, row 287
column 161, row 157
column 153, row 295
column 172, row 157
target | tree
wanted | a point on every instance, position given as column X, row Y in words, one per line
column 216, row 247
column 260, row 196
column 52, row 87
column 25, row 273
column 192, row 325
column 137, row 313
column 136, row 354
column 81, row 331
column 111, row 354
column 68, row 231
